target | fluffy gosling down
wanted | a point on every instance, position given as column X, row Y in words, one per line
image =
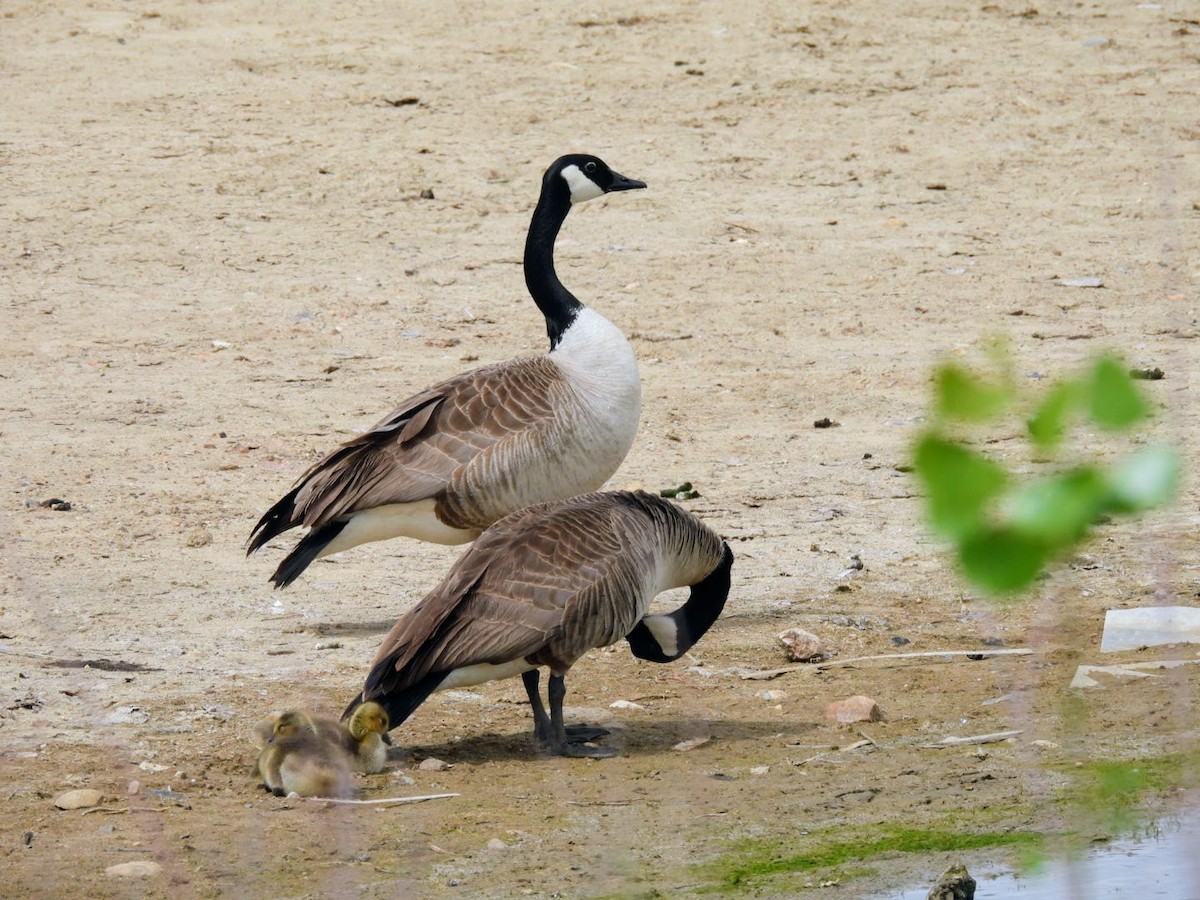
column 364, row 737
column 542, row 587
column 296, row 760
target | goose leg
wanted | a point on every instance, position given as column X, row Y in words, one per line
column 561, row 744
column 543, row 728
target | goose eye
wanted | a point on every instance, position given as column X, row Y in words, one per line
column 590, row 168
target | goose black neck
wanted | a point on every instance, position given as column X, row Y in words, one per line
column 558, row 305
column 691, row 620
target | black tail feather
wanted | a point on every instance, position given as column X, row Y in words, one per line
column 305, row 552
column 275, row 521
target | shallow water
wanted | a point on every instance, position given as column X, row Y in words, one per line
column 1165, row 865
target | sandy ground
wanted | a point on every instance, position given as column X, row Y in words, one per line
column 217, row 263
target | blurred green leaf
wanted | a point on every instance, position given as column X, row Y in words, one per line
column 1002, row 560
column 961, row 395
column 1144, row 480
column 1058, row 510
column 1113, row 399
column 958, row 482
column 1049, row 420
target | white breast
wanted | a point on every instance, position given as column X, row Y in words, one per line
column 599, row 364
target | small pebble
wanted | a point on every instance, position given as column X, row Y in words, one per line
column 760, row 770
column 138, row 868
column 433, row 765
column 199, row 537
column 127, row 715
column 773, row 696
column 956, row 883
column 496, row 844
column 684, row 746
column 801, row 645
column 84, row 798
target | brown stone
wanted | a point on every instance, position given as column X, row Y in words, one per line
column 853, row 709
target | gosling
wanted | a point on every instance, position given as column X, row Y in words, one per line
column 297, row 760
column 364, row 737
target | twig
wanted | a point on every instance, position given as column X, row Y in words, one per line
column 857, row 745
column 382, row 800
column 937, row 655
column 869, row 739
column 992, row 738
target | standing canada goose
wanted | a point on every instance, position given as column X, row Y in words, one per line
column 462, row 454
column 297, row 760
column 542, row 587
column 364, row 737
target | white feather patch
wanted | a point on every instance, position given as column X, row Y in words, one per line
column 481, row 672
column 582, row 187
column 414, row 520
column 664, row 632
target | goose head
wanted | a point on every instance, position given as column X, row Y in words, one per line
column 587, row 177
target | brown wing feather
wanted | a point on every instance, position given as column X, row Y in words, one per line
column 531, row 585
column 417, row 450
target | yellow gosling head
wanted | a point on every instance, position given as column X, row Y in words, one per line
column 367, row 718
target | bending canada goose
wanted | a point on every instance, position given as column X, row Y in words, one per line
column 462, row 454
column 296, row 759
column 542, row 587
column 364, row 737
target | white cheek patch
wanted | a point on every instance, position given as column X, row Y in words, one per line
column 582, row 188
column 665, row 632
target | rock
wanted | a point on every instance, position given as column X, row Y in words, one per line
column 684, row 746
column 433, row 765
column 496, row 844
column 199, row 537
column 1085, row 282
column 802, row 646
column 138, row 868
column 625, row 704
column 760, row 770
column 83, row 798
column 853, row 709
column 126, row 715
column 955, row 884
column 773, row 696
